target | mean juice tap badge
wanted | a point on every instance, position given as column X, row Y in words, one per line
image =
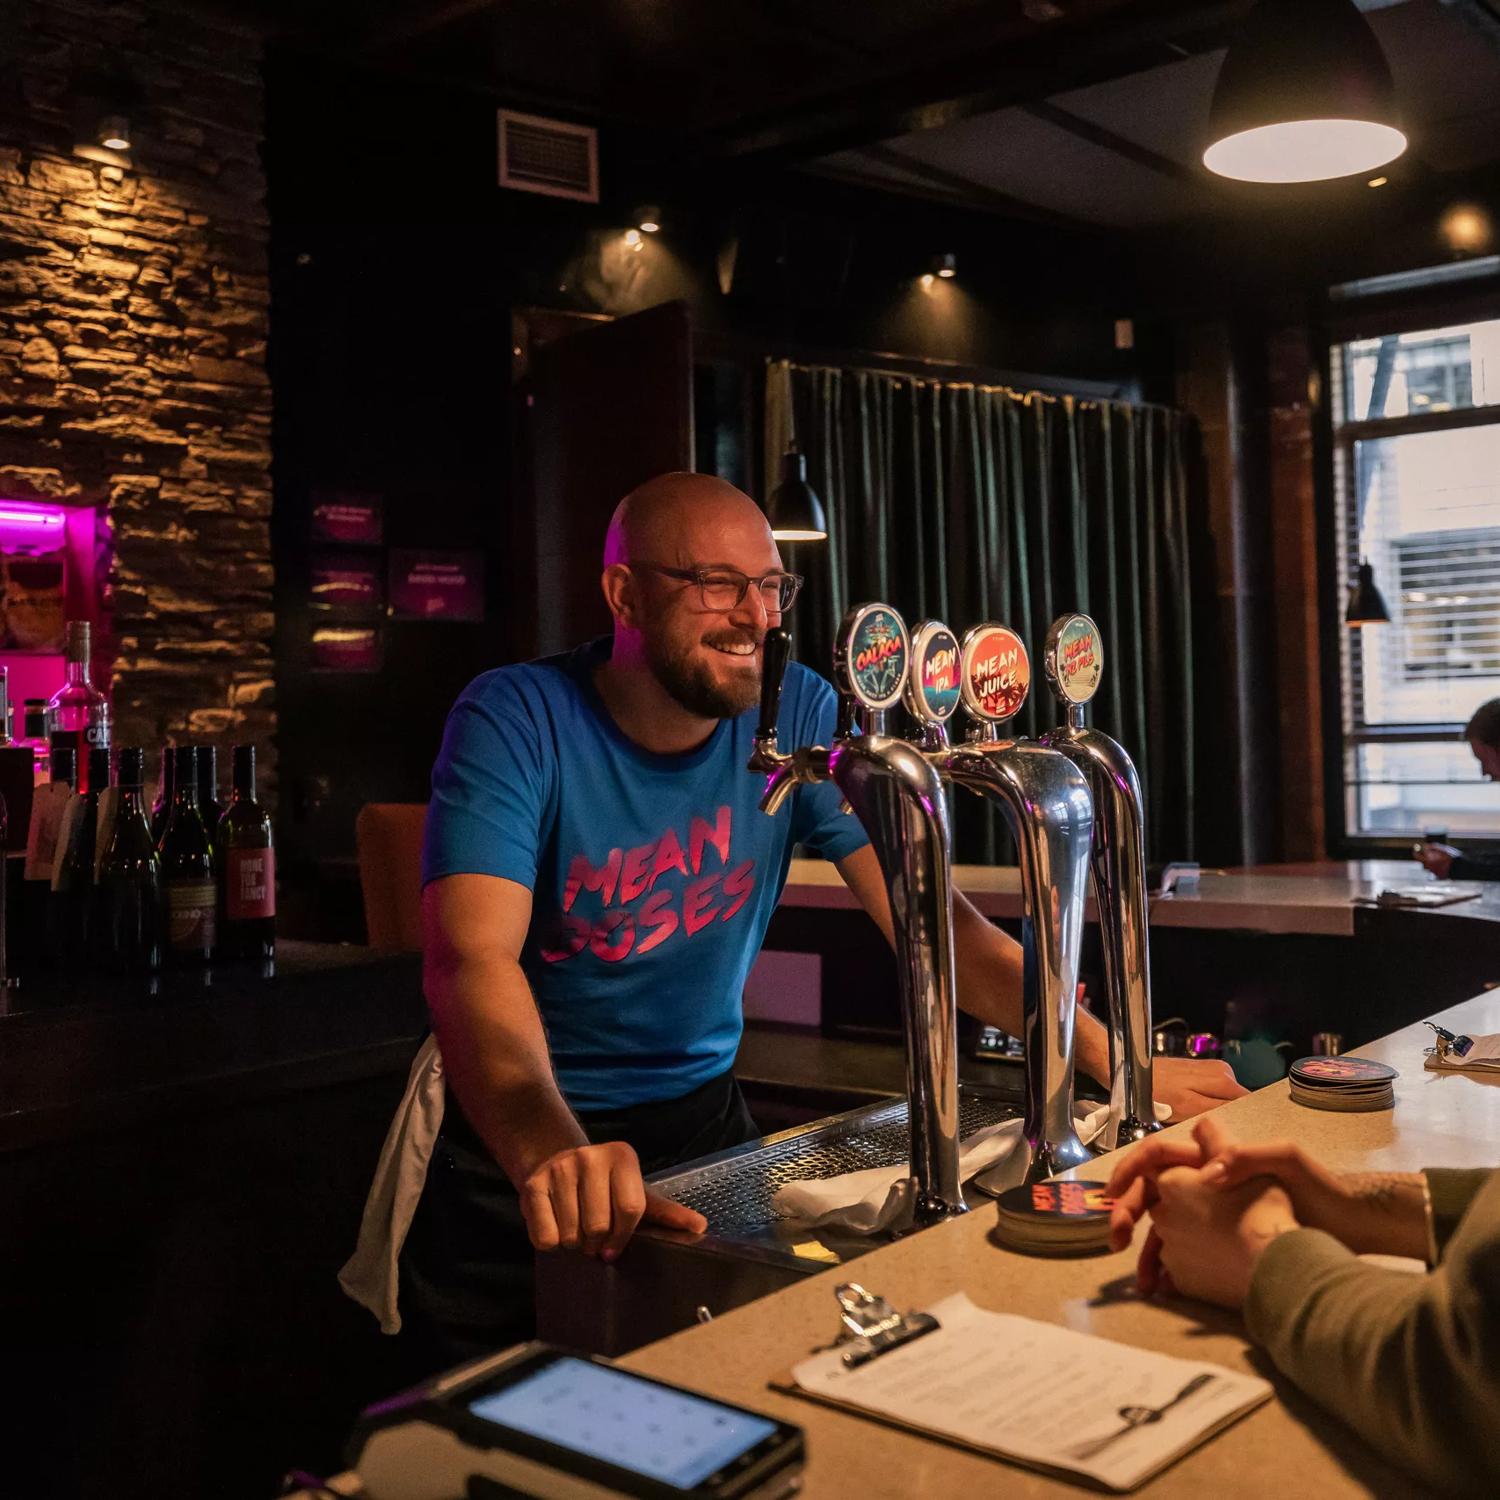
column 996, row 673
column 1074, row 658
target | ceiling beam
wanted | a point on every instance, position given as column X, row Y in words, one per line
column 1054, row 58
column 1099, row 135
column 954, row 186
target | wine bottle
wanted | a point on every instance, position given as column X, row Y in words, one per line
column 70, row 912
column 208, row 793
column 78, row 713
column 247, row 856
column 130, row 885
column 187, row 869
column 161, row 809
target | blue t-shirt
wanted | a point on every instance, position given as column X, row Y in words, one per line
column 653, row 876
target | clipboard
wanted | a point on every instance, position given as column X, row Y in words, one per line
column 1025, row 1392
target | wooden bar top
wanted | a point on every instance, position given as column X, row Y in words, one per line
column 1286, row 1445
column 1317, row 899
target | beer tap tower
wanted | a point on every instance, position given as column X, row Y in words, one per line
column 1046, row 802
column 897, row 794
column 1074, row 664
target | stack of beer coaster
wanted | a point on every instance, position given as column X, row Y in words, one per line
column 1342, row 1083
column 1055, row 1218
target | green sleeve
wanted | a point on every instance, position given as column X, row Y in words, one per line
column 1411, row 1363
column 1451, row 1190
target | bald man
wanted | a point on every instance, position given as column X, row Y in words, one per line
column 597, row 882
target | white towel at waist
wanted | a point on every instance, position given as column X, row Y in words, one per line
column 370, row 1275
column 879, row 1197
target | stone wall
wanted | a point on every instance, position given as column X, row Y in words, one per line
column 134, row 298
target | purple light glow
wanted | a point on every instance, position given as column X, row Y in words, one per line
column 28, row 524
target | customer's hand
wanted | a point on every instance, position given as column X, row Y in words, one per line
column 1192, row 1086
column 591, row 1198
column 1436, row 857
column 1210, row 1237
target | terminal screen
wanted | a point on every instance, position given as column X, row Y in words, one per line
column 665, row 1434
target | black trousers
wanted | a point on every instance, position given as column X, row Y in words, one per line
column 467, row 1268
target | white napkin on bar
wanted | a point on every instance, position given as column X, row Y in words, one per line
column 879, row 1198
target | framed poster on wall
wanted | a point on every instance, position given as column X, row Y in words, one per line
column 427, row 585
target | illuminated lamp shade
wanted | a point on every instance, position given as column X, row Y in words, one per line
column 794, row 510
column 648, row 218
column 1304, row 95
column 1366, row 602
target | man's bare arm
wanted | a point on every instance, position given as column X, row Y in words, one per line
column 496, row 1060
column 988, row 971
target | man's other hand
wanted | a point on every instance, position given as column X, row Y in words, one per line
column 1436, row 857
column 591, row 1198
column 1193, row 1086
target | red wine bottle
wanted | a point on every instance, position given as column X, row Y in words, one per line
column 247, row 857
column 187, row 869
column 129, row 898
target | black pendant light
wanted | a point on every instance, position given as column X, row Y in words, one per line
column 794, row 510
column 1305, row 94
column 1366, row 602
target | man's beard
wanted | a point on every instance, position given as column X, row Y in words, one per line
column 690, row 683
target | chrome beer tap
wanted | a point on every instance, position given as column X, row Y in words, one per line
column 1074, row 664
column 894, row 791
column 1046, row 802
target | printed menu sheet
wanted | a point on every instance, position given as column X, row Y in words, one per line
column 1040, row 1395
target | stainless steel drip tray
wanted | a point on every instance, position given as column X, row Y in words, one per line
column 734, row 1189
column 664, row 1280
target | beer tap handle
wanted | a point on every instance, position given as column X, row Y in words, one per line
column 776, row 652
column 844, row 725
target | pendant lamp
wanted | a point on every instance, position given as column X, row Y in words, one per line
column 794, row 510
column 1304, row 94
column 1366, row 602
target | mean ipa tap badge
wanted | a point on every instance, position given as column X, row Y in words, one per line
column 1074, row 658
column 873, row 654
column 932, row 689
column 995, row 674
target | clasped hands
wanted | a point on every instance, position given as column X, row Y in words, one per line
column 1214, row 1206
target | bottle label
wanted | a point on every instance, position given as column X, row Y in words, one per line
column 96, row 736
column 190, row 914
column 250, row 884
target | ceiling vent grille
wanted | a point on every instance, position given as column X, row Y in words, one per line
column 538, row 155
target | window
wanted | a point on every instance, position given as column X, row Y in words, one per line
column 1417, row 477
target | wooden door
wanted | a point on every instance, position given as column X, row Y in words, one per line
column 606, row 408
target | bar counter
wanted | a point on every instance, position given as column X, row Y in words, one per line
column 1439, row 1120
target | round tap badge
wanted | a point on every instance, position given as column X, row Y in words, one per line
column 1074, row 658
column 932, row 688
column 996, row 673
column 873, row 653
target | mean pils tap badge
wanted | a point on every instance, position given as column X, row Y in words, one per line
column 873, row 656
column 1074, row 658
column 996, row 673
column 932, row 691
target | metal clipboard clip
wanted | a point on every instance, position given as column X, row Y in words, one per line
column 873, row 1327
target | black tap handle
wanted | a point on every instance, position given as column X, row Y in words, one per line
column 844, row 724
column 776, row 652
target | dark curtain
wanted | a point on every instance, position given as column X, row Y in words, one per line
column 969, row 503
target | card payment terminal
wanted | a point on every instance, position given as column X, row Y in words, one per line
column 537, row 1421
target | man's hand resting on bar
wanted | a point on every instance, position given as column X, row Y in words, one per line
column 591, row 1198
column 1191, row 1086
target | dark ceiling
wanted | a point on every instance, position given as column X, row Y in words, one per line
column 1088, row 111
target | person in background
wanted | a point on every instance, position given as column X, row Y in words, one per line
column 1411, row 1363
column 1446, row 862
